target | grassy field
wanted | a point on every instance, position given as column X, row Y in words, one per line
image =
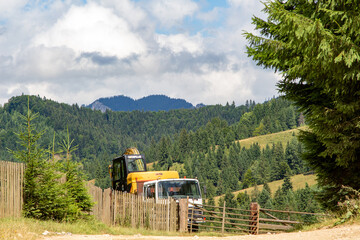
column 298, row 181
column 272, row 138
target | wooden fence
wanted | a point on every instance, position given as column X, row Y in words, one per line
column 102, row 200
column 271, row 220
column 250, row 221
column 132, row 210
column 118, row 208
column 11, row 188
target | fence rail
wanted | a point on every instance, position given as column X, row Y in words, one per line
column 222, row 218
column 254, row 221
column 11, row 188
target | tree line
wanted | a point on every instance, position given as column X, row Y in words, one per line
column 102, row 136
column 223, row 168
column 210, row 153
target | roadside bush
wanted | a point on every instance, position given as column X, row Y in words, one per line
column 350, row 207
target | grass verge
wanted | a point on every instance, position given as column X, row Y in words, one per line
column 32, row 229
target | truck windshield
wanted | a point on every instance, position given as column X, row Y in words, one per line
column 179, row 189
column 135, row 164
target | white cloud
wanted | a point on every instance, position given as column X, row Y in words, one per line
column 248, row 5
column 210, row 16
column 44, row 63
column 136, row 17
column 180, row 43
column 170, row 12
column 92, row 28
column 8, row 7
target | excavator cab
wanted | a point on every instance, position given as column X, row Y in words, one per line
column 128, row 173
column 129, row 162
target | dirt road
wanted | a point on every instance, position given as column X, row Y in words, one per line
column 337, row 233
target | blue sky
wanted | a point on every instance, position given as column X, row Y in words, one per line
column 76, row 51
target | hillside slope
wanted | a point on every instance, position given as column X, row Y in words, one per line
column 298, row 181
column 272, row 138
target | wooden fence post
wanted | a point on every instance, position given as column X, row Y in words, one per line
column 255, row 217
column 106, row 206
column 168, row 215
column 183, row 215
column 192, row 218
column 132, row 211
column 223, row 219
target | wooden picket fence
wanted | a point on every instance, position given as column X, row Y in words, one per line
column 102, row 199
column 11, row 188
column 118, row 208
column 135, row 211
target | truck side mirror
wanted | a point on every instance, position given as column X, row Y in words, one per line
column 204, row 190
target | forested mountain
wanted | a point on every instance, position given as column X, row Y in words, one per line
column 149, row 103
column 200, row 141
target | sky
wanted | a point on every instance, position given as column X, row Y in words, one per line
column 76, row 51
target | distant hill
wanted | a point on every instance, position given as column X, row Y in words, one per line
column 149, row 103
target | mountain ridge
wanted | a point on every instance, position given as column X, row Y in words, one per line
column 148, row 103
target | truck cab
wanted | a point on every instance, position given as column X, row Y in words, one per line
column 177, row 189
column 174, row 188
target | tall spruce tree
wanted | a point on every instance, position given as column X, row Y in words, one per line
column 316, row 47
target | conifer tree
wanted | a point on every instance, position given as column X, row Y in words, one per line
column 248, row 179
column 74, row 184
column 243, row 200
column 287, row 185
column 264, row 198
column 44, row 198
column 267, row 188
column 315, row 45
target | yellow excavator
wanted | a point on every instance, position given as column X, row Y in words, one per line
column 128, row 172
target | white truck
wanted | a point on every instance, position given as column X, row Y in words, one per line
column 177, row 189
